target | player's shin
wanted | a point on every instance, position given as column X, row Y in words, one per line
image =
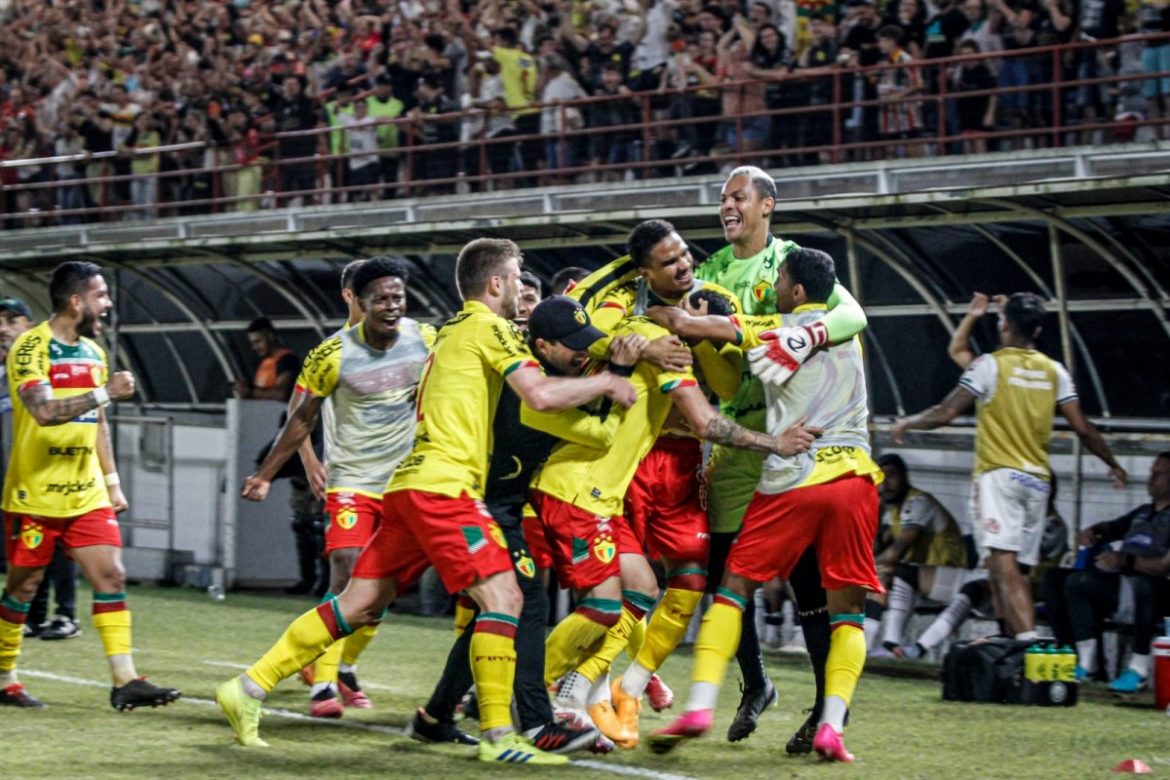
column 843, row 669
column 667, row 627
column 112, row 621
column 13, row 616
column 493, row 666
column 715, row 647
column 465, row 609
column 303, row 641
column 576, row 636
column 635, row 605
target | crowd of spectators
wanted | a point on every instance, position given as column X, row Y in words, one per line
column 211, row 82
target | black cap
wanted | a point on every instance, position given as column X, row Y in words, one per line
column 560, row 318
column 16, row 306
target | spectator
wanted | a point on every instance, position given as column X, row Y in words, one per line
column 361, row 142
column 772, row 60
column 1096, row 20
column 144, row 167
column 616, row 147
column 501, row 154
column 432, row 122
column 1019, row 21
column 294, row 112
column 750, row 129
column 556, row 118
column 859, row 48
column 943, row 30
column 606, row 48
column 1092, row 595
column 277, row 371
column 383, row 106
column 910, row 18
column 687, row 71
column 815, row 66
column 518, row 73
column 976, row 113
column 901, row 119
column 1153, row 18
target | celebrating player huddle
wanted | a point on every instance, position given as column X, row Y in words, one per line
column 495, row 454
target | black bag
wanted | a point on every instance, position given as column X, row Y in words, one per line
column 989, row 670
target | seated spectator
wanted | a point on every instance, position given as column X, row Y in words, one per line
column 928, row 555
column 1089, row 596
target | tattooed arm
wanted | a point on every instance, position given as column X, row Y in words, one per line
column 714, row 427
column 47, row 410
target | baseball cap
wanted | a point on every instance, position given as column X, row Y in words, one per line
column 16, row 306
column 560, row 318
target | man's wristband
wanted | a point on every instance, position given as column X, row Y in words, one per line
column 113, row 479
column 102, row 396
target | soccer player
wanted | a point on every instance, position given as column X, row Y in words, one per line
column 663, row 504
column 579, row 495
column 369, row 374
column 1014, row 391
column 432, row 510
column 748, row 266
column 529, row 297
column 63, row 481
column 826, row 499
column 559, row 335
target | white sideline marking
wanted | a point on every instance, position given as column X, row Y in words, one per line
column 373, row 686
column 597, row 766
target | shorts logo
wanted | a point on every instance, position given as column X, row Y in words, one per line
column 760, row 291
column 580, row 550
column 525, row 566
column 474, row 537
column 346, row 518
column 604, row 549
column 32, row 536
column 498, row 535
column 992, row 525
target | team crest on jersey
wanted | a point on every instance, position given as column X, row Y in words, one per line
column 525, row 566
column 604, row 549
column 346, row 518
column 761, row 290
column 32, row 536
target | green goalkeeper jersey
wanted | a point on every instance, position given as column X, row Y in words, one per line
column 734, row 473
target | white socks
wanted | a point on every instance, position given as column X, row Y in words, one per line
column 898, row 607
column 122, row 668
column 635, row 680
column 252, row 689
column 834, row 713
column 704, row 696
column 1140, row 664
column 945, row 624
column 1087, row 655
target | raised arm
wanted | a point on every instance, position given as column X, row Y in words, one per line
column 959, row 349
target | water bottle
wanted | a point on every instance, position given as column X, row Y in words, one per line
column 215, row 592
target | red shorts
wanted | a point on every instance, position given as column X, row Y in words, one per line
column 29, row 541
column 663, row 504
column 418, row 529
column 586, row 549
column 537, row 545
column 839, row 517
column 352, row 518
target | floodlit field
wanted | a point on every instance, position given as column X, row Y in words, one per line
column 901, row 727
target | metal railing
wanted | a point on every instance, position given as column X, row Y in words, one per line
column 660, row 143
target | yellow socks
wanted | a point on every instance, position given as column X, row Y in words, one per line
column 112, row 621
column 493, row 666
column 719, row 637
column 356, row 643
column 843, row 669
column 616, row 639
column 668, row 626
column 13, row 616
column 306, row 638
column 576, row 636
column 637, row 638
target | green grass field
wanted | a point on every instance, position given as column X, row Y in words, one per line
column 901, row 728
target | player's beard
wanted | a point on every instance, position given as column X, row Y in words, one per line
column 88, row 325
column 510, row 307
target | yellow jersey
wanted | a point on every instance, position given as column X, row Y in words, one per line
column 596, row 480
column 457, row 397
column 1017, row 392
column 940, row 540
column 54, row 469
column 518, row 74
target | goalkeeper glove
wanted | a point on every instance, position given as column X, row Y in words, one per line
column 784, row 351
